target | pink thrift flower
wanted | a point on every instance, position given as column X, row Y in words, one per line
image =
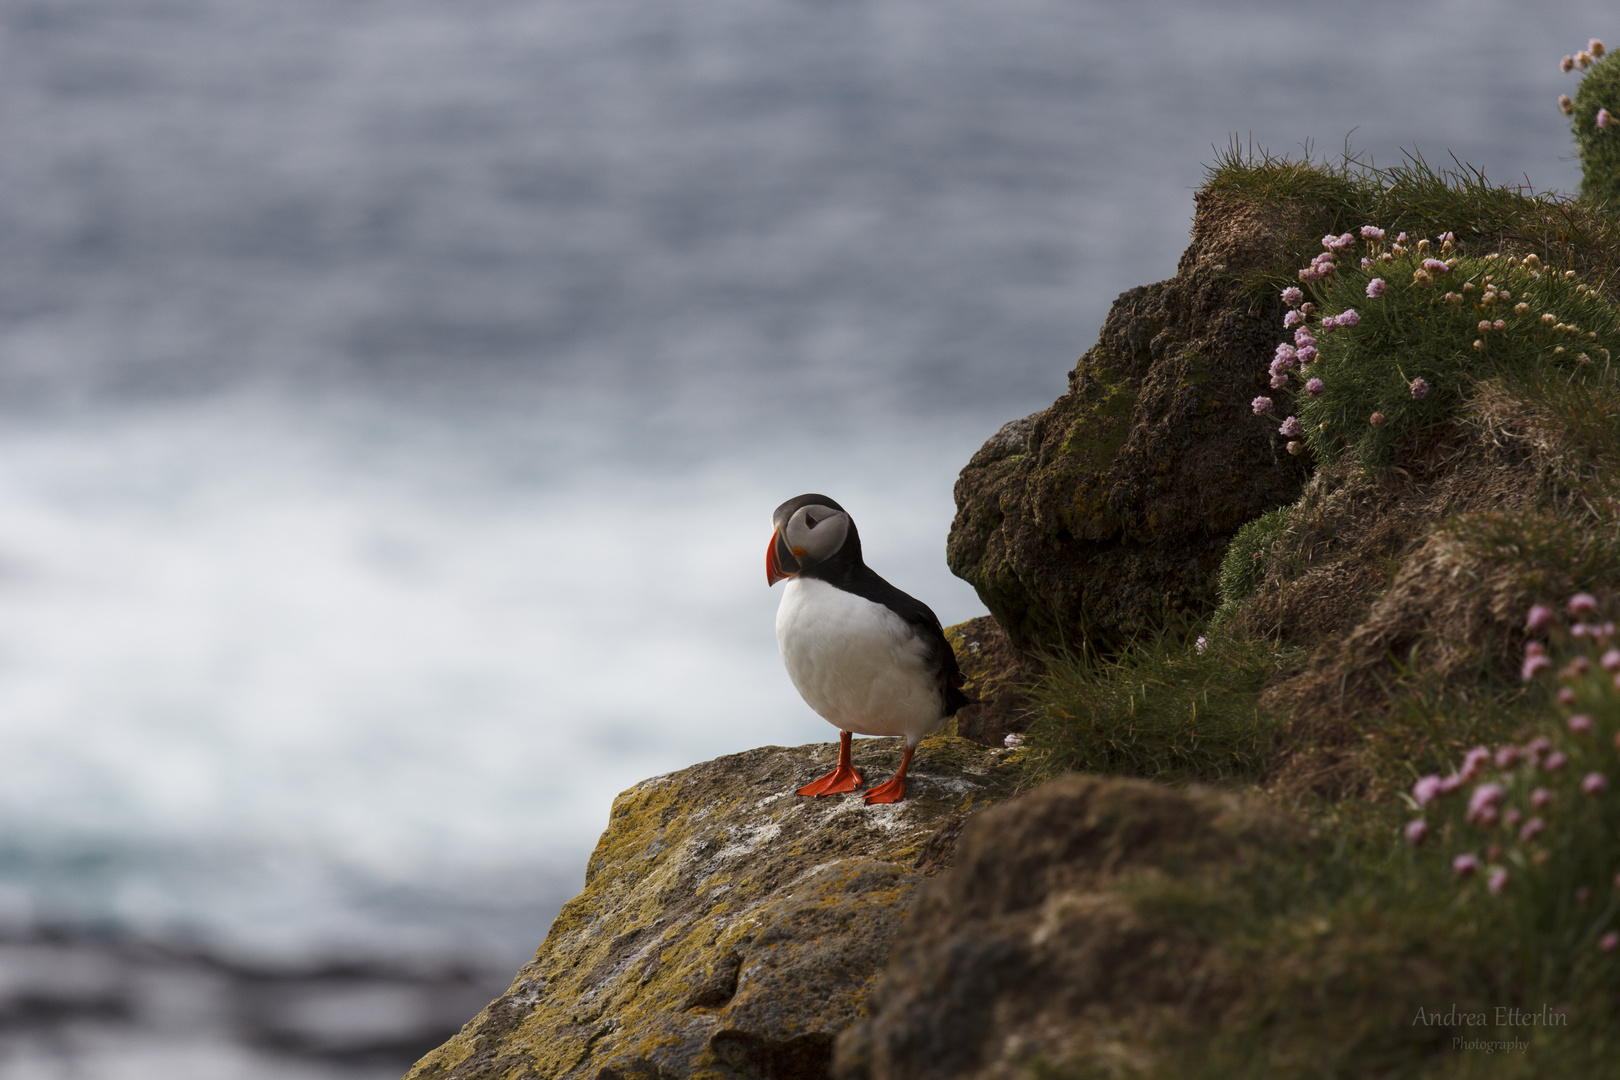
column 1484, row 326
column 1448, row 784
column 1375, row 288
column 1308, row 308
column 1426, row 789
column 1603, row 118
column 1582, row 604
column 1366, row 263
column 1555, row 761
column 1376, row 419
column 1534, row 665
column 1484, row 798
column 1611, row 660
column 1497, row 881
column 1529, row 830
column 1415, row 831
column 1506, row 756
column 1314, row 388
column 1307, row 353
column 1583, row 59
column 1511, row 816
column 1609, row 941
column 1580, row 724
column 1303, row 337
column 1538, row 745
column 1348, row 318
column 1566, row 696
column 1371, row 232
column 1279, row 380
column 1291, row 427
column 1401, row 239
column 1329, row 322
column 1498, row 325
column 1475, row 760
column 1595, row 47
column 1566, row 105
column 1567, row 64
column 1420, row 388
column 1541, row 616
column 1286, row 354
column 1448, row 237
column 1576, row 668
column 1260, row 405
column 1292, row 295
column 1292, row 319
column 1435, row 266
column 1594, row 782
column 1465, row 865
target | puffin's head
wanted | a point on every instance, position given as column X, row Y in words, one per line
column 809, row 529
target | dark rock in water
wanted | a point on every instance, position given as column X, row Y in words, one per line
column 1086, row 521
column 998, row 674
column 728, row 927
column 1031, row 950
column 95, row 1002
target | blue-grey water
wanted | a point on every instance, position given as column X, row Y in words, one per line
column 393, row 396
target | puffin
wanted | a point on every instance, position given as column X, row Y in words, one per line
column 868, row 658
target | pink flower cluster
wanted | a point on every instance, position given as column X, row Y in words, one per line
column 1516, row 788
column 1320, row 267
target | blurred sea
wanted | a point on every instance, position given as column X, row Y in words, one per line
column 393, row 397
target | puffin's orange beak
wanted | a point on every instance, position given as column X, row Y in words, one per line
column 779, row 561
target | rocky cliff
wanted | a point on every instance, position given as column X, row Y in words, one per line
column 729, row 928
column 1096, row 517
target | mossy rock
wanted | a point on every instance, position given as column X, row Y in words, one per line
column 1091, row 520
column 728, row 928
column 1035, row 954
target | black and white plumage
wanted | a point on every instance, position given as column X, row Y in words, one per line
column 870, row 659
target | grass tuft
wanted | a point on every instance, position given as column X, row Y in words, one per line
column 1160, row 710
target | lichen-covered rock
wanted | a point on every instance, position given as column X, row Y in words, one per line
column 1086, row 521
column 998, row 677
column 728, row 928
column 1036, row 955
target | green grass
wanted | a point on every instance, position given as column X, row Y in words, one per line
column 1422, row 200
column 1160, row 710
column 1244, row 565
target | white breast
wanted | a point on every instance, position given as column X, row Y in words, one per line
column 856, row 663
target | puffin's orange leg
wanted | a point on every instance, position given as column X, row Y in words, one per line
column 842, row 778
column 894, row 788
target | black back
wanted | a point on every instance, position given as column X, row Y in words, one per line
column 846, row 570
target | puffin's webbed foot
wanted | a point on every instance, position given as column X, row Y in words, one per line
column 842, row 779
column 893, row 789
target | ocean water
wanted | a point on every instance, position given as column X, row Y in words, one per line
column 393, row 397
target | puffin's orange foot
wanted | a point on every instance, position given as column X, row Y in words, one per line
column 842, row 779
column 892, row 790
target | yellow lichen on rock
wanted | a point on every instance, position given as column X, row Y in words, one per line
column 728, row 928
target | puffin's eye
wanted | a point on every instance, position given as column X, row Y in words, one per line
column 809, row 522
